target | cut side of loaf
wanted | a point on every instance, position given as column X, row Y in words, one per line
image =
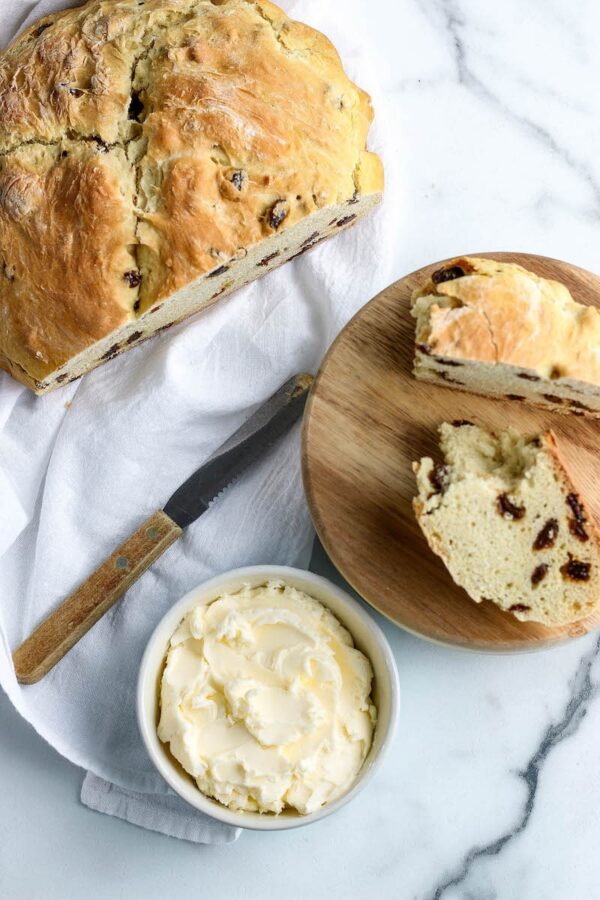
column 497, row 329
column 257, row 260
column 155, row 156
column 503, row 514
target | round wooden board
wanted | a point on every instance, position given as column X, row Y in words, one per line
column 368, row 419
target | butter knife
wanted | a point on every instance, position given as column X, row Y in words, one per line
column 75, row 616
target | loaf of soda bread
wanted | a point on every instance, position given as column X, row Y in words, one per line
column 504, row 515
column 494, row 328
column 156, row 155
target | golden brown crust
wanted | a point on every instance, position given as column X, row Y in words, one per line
column 193, row 131
column 66, row 74
column 213, row 122
column 65, row 232
column 501, row 313
column 564, row 474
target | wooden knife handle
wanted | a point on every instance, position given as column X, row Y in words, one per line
column 82, row 609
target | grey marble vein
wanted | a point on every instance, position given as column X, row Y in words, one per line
column 582, row 691
column 454, row 21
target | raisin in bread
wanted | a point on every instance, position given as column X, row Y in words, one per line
column 503, row 514
column 154, row 156
column 496, row 329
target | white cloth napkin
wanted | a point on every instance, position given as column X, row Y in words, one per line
column 82, row 467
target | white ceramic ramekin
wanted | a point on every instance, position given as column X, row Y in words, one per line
column 368, row 637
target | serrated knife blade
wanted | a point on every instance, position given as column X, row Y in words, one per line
column 82, row 609
column 248, row 444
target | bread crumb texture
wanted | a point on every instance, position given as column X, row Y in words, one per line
column 503, row 514
column 145, row 143
column 497, row 329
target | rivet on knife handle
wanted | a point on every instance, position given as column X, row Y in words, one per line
column 82, row 609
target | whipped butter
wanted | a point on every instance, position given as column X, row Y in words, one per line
column 266, row 702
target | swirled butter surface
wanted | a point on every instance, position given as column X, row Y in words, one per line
column 266, row 702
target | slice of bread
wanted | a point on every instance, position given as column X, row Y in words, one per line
column 505, row 517
column 496, row 329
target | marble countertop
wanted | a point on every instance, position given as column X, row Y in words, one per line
column 492, row 787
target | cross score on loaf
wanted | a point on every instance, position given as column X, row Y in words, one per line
column 156, row 155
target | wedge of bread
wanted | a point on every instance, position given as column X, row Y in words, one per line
column 155, row 155
column 494, row 328
column 503, row 514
